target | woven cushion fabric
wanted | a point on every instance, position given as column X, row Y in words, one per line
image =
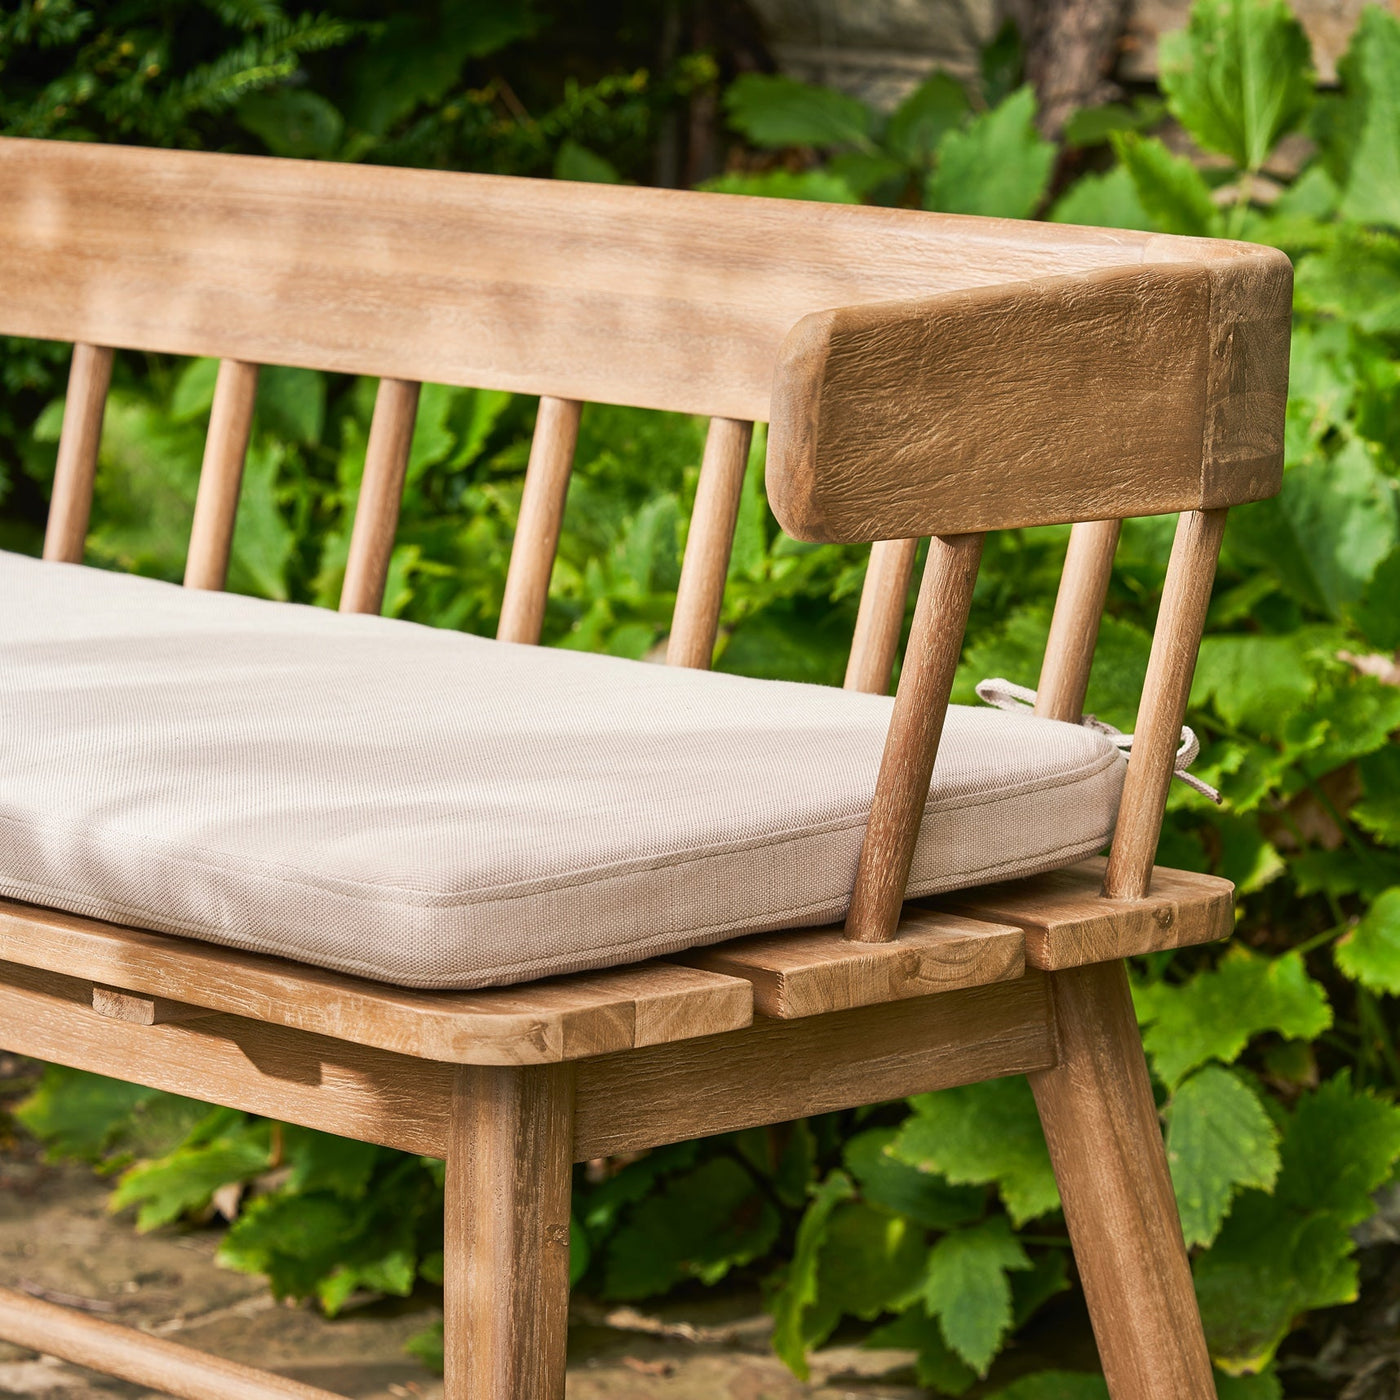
column 434, row 809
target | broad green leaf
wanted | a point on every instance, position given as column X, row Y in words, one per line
column 263, row 542
column 871, row 1261
column 771, row 110
column 1238, row 77
column 575, row 162
column 966, row 1288
column 1370, row 71
column 1265, row 1386
column 291, row 403
column 1356, row 276
column 194, row 390
column 699, row 1225
column 1092, row 126
column 1281, row 1255
column 919, row 123
column 923, row 1196
column 77, row 1114
column 1370, row 952
column 819, row 185
column 798, row 1294
column 1254, row 680
column 1219, row 1139
column 998, row 164
column 292, row 122
column 1102, row 201
column 433, row 438
column 1324, row 535
column 1215, row 1014
column 1054, row 1385
column 1169, row 188
column 320, row 1162
column 984, row 1134
column 936, row 1367
column 1379, row 811
column 184, row 1181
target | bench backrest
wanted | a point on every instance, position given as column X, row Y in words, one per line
column 922, row 373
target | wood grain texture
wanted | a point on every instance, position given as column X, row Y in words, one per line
column 89, row 374
column 911, row 743
column 221, row 476
column 695, row 621
column 1068, row 921
column 1176, row 640
column 144, row 1011
column 880, row 619
column 541, row 516
column 1061, row 399
column 133, row 1356
column 779, row 1070
column 1105, row 1141
column 332, row 1085
column 1074, row 628
column 506, row 1237
column 658, row 298
column 381, row 490
column 542, row 1022
column 810, row 971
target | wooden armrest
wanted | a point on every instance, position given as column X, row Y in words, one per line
column 1135, row 390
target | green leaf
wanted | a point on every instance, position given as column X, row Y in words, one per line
column 1265, row 1386
column 1370, row 72
column 1279, row 1256
column 1102, row 201
column 194, row 390
column 1054, row 1385
column 936, row 1367
column 184, row 1181
column 1253, row 679
column 575, row 162
column 771, row 110
column 799, row 1291
column 700, row 1225
column 1355, row 276
column 321, row 1162
column 1379, row 811
column 77, row 1114
column 966, row 1288
column 1370, row 952
column 999, row 164
column 1169, row 188
column 292, row 122
column 820, row 185
column 1219, row 1139
column 263, row 542
column 923, row 1196
column 1215, row 1014
column 918, row 124
column 1239, row 76
column 981, row 1134
column 292, row 403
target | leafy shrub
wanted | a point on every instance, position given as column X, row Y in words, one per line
column 935, row 1223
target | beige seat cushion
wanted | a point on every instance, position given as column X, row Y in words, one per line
column 440, row 810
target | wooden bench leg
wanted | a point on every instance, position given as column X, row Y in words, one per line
column 1106, row 1145
column 506, row 1266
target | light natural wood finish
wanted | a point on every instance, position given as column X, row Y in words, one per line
column 562, row 1019
column 779, row 1070
column 133, row 1356
column 225, row 448
column 1176, row 640
column 541, row 515
column 332, row 1085
column 695, row 622
column 1074, row 629
column 1068, row 921
column 1062, row 399
column 89, row 374
column 810, row 971
column 381, row 490
column 659, row 298
column 880, row 619
column 1105, row 1142
column 144, row 1011
column 506, row 1276
column 911, row 745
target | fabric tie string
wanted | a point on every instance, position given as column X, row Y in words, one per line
column 1002, row 694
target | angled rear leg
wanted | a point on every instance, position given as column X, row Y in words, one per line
column 1106, row 1144
column 506, row 1250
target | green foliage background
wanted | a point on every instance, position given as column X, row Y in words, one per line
column 932, row 1224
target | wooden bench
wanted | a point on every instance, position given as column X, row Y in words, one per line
column 923, row 375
